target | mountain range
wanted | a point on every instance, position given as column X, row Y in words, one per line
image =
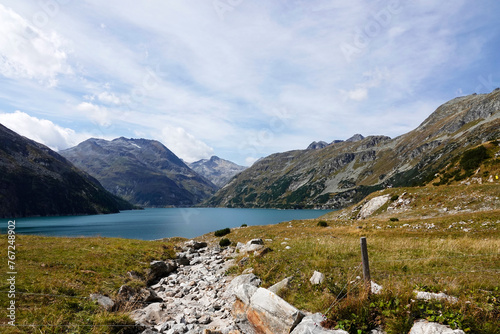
column 36, row 181
column 343, row 172
column 142, row 171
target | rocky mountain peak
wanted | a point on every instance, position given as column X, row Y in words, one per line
column 317, row 145
column 141, row 170
column 355, row 138
column 218, row 171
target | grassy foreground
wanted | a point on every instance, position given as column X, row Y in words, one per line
column 458, row 254
column 55, row 277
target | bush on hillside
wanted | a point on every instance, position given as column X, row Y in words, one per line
column 322, row 223
column 224, row 242
column 223, row 232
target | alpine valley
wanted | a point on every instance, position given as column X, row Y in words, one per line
column 450, row 146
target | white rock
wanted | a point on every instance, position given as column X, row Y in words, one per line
column 317, row 278
column 375, row 288
column 106, row 302
column 373, row 205
column 276, row 288
column 244, row 292
column 271, row 314
column 424, row 327
column 435, row 296
column 311, row 325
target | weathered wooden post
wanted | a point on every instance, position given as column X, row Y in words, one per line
column 366, row 265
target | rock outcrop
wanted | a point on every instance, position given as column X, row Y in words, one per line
column 373, row 205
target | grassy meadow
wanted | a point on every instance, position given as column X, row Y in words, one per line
column 55, row 277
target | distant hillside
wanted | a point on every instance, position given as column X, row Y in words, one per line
column 343, row 173
column 36, row 181
column 142, row 171
column 217, row 170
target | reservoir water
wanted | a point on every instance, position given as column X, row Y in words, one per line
column 153, row 224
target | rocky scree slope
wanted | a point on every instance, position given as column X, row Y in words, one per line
column 343, row 173
column 142, row 171
column 36, row 181
column 217, row 170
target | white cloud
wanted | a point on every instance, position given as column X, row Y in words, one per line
column 27, row 52
column 185, row 145
column 249, row 161
column 143, row 65
column 96, row 113
column 42, row 130
column 109, row 98
column 357, row 94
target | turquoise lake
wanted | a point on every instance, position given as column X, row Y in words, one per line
column 150, row 224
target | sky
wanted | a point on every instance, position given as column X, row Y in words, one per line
column 240, row 79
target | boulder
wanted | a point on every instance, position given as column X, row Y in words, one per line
column 373, row 205
column 317, row 278
column 251, row 246
column 312, row 325
column 425, row 327
column 106, row 302
column 150, row 315
column 244, row 292
column 195, row 244
column 268, row 313
column 182, row 260
column 248, row 279
column 158, row 270
column 281, row 285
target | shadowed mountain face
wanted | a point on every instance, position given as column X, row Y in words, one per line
column 142, row 171
column 217, row 170
column 36, row 181
column 342, row 173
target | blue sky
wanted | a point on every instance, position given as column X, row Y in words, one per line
column 240, row 79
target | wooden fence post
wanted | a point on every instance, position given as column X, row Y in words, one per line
column 366, row 265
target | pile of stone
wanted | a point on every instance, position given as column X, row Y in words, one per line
column 190, row 292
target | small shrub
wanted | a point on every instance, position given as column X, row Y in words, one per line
column 244, row 225
column 224, row 242
column 322, row 223
column 223, row 232
column 393, row 219
column 394, row 198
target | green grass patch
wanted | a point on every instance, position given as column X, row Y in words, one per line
column 57, row 275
